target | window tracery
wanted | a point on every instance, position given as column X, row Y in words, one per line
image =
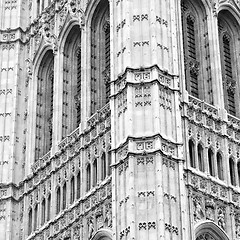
column 198, row 78
column 205, row 236
column 100, row 57
column 227, row 35
column 44, row 109
column 71, row 108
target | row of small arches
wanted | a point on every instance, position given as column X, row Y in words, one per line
column 196, row 157
column 68, row 192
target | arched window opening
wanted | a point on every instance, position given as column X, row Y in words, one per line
column 95, row 172
column 43, row 5
column 88, row 170
column 220, row 166
column 232, row 171
column 228, row 33
column 35, row 217
column 58, row 202
column 210, row 230
column 44, row 111
column 100, row 57
column 38, row 8
column 43, row 211
column 64, row 202
column 238, row 170
column 103, row 165
column 78, row 185
column 191, row 147
column 72, row 196
column 211, row 162
column 109, row 160
column 30, row 221
column 197, row 58
column 200, row 158
column 48, row 207
column 71, row 113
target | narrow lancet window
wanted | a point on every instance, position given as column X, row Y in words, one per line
column 44, row 110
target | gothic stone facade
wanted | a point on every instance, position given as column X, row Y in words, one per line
column 120, row 119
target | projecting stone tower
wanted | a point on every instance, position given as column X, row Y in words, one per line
column 148, row 188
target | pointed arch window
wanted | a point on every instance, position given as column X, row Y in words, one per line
column 78, row 185
column 30, row 218
column 44, row 110
column 200, row 158
column 71, row 112
column 220, row 166
column 35, row 223
column 43, row 5
column 72, row 183
column 58, row 202
column 227, row 35
column 43, row 205
column 64, row 193
column 88, row 172
column 196, row 51
column 100, row 56
column 232, row 172
column 38, row 7
column 104, row 167
column 95, row 172
column 109, row 160
column 228, row 76
column 191, row 147
column 49, row 207
column 211, row 162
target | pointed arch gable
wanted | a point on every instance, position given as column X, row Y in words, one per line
column 232, row 8
column 212, row 228
column 103, row 234
column 65, row 30
column 90, row 10
column 42, row 49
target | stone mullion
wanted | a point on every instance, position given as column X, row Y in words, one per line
column 85, row 75
column 217, row 84
column 57, row 100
